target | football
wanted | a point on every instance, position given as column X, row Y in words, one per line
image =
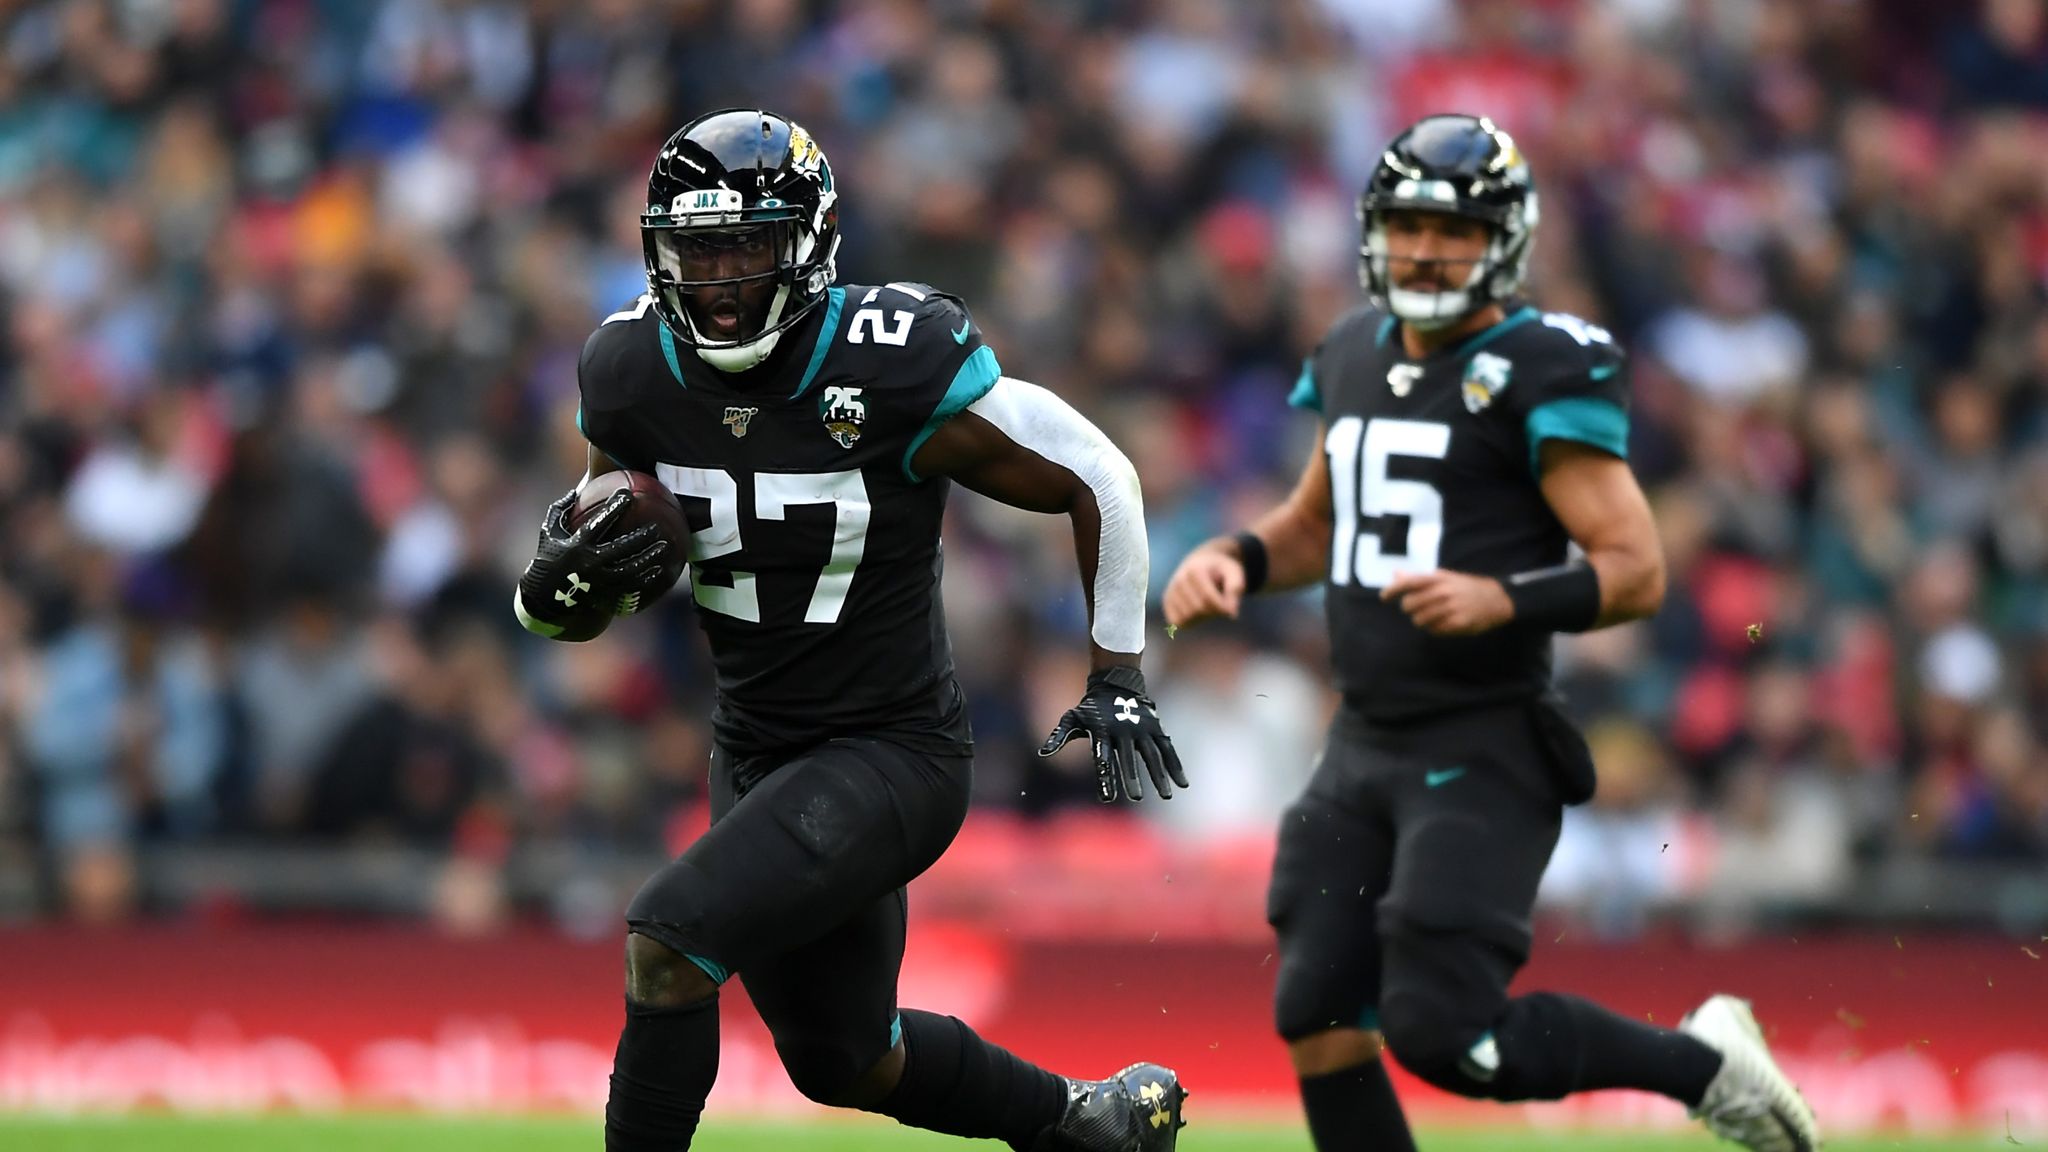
column 653, row 504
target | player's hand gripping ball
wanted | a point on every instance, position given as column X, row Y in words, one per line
column 650, row 532
column 641, row 538
column 610, row 547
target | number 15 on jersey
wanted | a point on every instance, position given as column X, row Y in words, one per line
column 1360, row 488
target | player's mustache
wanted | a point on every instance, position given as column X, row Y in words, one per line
column 1431, row 273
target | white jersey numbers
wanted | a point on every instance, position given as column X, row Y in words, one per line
column 1359, row 452
column 774, row 494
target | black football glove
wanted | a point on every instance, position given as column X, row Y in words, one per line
column 1123, row 726
column 574, row 568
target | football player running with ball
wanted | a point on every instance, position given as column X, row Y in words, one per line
column 1466, row 440
column 811, row 431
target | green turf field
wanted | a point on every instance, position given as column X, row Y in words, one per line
column 405, row 1134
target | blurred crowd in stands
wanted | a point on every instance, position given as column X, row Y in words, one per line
column 293, row 292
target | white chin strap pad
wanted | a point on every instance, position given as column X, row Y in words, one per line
column 1040, row 422
column 738, row 357
column 1427, row 310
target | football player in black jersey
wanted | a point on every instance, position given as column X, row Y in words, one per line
column 811, row 431
column 1467, row 439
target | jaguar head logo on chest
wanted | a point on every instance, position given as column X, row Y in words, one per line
column 1485, row 377
column 843, row 411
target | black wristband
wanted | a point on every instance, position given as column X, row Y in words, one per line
column 1124, row 676
column 1251, row 552
column 1561, row 599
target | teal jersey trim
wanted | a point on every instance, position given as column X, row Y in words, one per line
column 711, row 968
column 668, row 351
column 1477, row 340
column 977, row 374
column 834, row 298
column 1585, row 419
column 1514, row 320
column 1306, row 395
column 579, row 422
column 895, row 1030
column 1369, row 1019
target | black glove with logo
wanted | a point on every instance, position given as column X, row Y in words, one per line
column 577, row 573
column 1123, row 726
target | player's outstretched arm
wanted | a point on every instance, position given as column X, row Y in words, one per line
column 1028, row 448
column 1288, row 547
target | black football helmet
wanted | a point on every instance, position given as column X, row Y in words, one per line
column 1465, row 166
column 739, row 200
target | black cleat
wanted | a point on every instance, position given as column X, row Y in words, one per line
column 1136, row 1110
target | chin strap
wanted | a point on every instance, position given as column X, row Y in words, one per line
column 739, row 357
column 1429, row 311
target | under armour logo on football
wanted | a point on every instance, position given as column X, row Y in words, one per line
column 569, row 591
column 1127, row 709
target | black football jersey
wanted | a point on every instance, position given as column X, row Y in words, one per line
column 814, row 549
column 1433, row 464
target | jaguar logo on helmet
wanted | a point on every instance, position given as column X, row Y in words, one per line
column 1458, row 165
column 804, row 155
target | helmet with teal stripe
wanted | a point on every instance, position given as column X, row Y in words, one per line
column 739, row 233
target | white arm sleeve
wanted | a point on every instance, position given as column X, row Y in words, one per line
column 1040, row 422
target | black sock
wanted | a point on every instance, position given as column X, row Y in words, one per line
column 1355, row 1110
column 959, row 1084
column 1562, row 1044
column 666, row 1061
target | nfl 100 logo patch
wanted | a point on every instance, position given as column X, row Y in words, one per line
column 1401, row 378
column 1485, row 377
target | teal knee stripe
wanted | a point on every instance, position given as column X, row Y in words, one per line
column 712, row 968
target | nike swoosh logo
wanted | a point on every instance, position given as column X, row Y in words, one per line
column 1442, row 776
column 960, row 337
